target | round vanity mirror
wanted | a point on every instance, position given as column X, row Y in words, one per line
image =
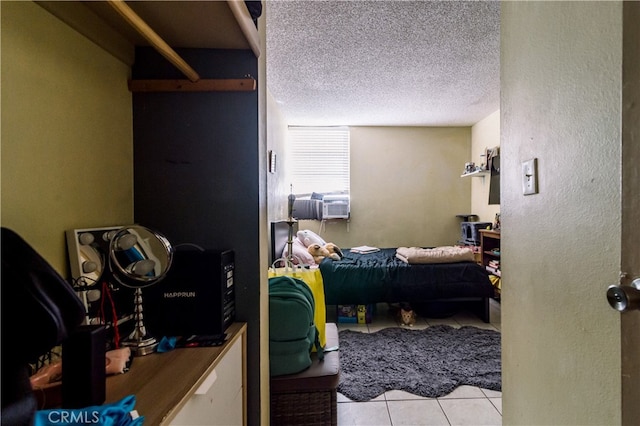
column 139, row 257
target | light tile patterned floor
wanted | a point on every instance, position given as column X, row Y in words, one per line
column 467, row 405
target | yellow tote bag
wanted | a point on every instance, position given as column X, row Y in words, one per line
column 313, row 278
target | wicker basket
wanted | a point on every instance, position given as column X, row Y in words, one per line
column 305, row 408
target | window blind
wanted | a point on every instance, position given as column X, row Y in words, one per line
column 319, row 159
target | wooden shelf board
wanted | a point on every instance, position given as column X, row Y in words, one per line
column 203, row 85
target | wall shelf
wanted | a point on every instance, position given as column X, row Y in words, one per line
column 478, row 173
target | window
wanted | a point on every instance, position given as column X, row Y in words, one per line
column 319, row 160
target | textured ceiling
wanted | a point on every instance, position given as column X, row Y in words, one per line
column 384, row 63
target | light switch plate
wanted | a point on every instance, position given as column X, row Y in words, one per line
column 530, row 177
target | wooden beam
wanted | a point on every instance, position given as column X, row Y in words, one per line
column 240, row 12
column 210, row 85
column 154, row 39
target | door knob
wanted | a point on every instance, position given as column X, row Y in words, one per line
column 624, row 298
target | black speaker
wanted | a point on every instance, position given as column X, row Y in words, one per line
column 197, row 297
column 83, row 367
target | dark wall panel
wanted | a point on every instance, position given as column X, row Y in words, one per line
column 196, row 175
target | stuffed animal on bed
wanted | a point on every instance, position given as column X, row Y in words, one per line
column 319, row 252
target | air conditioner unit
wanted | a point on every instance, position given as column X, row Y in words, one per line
column 335, row 207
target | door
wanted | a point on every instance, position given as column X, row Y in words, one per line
column 630, row 257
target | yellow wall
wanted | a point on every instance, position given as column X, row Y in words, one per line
column 405, row 187
column 484, row 134
column 67, row 156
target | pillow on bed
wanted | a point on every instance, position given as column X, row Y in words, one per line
column 301, row 255
column 308, row 237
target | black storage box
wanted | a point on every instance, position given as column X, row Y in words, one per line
column 197, row 297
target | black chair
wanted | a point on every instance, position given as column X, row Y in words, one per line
column 39, row 310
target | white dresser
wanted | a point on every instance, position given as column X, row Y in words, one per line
column 191, row 386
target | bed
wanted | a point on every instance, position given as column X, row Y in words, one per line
column 382, row 277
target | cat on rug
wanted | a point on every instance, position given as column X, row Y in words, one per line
column 405, row 314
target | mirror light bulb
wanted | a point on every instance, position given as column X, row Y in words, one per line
column 86, row 238
column 93, row 295
column 89, row 266
column 126, row 241
column 143, row 267
column 107, row 236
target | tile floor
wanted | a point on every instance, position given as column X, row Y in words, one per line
column 467, row 405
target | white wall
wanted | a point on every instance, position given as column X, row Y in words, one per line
column 277, row 181
column 561, row 103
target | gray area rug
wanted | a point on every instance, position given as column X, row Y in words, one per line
column 431, row 362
